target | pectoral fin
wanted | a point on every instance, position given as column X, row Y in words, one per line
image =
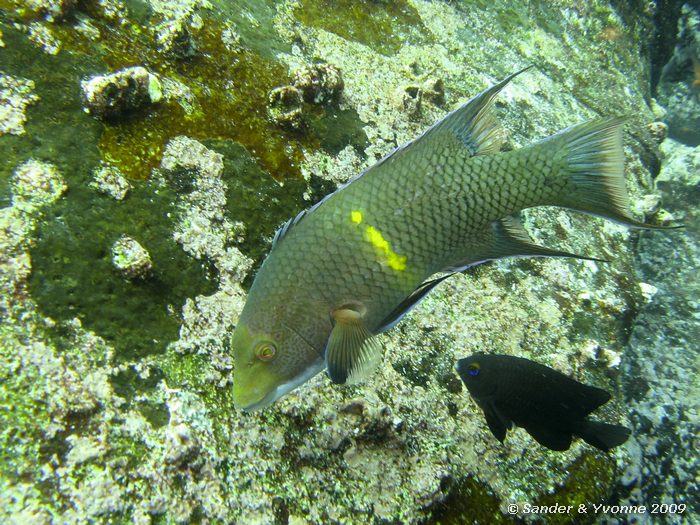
column 497, row 422
column 352, row 352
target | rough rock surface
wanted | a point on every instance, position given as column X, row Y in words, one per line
column 110, row 181
column 679, row 85
column 661, row 362
column 15, row 95
column 112, row 95
column 131, row 259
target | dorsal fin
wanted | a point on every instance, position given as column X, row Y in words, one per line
column 282, row 230
column 474, row 123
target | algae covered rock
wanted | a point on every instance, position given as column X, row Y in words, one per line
column 131, row 259
column 660, row 363
column 15, row 95
column 37, row 183
column 112, row 95
column 54, row 9
column 680, row 79
column 110, row 181
column 319, row 83
column 285, row 107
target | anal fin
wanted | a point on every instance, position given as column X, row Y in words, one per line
column 550, row 436
column 352, row 352
column 506, row 238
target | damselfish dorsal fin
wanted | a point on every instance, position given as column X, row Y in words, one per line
column 505, row 238
column 352, row 352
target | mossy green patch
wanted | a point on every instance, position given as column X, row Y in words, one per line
column 230, row 86
column 57, row 129
column 23, row 418
column 255, row 24
column 467, row 501
column 72, row 271
column 74, row 276
column 336, row 128
column 187, row 372
column 383, row 26
column 590, row 480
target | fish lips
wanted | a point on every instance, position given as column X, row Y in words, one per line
column 267, row 400
column 277, row 392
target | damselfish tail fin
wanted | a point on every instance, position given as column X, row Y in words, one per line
column 602, row 435
column 595, row 165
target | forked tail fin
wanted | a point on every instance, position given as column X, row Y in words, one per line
column 594, row 162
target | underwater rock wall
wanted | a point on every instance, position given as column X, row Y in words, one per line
column 115, row 383
column 661, row 364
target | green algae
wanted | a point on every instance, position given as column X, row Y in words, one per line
column 231, row 90
column 57, row 129
column 590, row 480
column 254, row 23
column 467, row 501
column 383, row 26
column 335, row 129
column 230, row 86
column 74, row 277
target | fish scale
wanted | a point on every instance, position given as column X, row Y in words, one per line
column 351, row 266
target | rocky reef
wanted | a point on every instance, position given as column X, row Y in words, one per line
column 129, row 235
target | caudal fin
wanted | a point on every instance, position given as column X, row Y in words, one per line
column 595, row 165
column 602, row 435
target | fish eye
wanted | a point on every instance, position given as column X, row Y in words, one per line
column 473, row 369
column 265, row 351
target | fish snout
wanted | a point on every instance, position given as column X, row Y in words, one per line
column 252, row 392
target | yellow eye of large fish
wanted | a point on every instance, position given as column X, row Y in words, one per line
column 265, row 351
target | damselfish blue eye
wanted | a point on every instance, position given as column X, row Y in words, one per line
column 474, row 369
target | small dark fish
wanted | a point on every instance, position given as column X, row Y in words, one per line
column 549, row 405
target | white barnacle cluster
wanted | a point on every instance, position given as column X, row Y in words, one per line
column 131, row 259
column 16, row 94
column 114, row 94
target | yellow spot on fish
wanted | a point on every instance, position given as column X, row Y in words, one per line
column 394, row 260
column 356, row 216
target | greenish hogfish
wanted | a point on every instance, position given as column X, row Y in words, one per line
column 351, row 266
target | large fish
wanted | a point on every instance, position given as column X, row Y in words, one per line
column 549, row 405
column 351, row 266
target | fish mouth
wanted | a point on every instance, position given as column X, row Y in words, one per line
column 279, row 391
column 267, row 400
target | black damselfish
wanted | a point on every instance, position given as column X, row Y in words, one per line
column 549, row 405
